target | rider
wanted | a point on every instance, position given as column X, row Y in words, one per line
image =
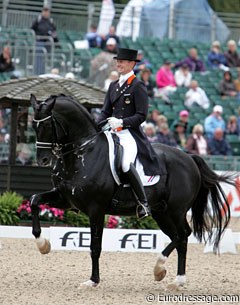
column 126, row 107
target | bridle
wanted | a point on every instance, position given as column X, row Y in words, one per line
column 57, row 148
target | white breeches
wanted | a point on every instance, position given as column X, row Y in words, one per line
column 129, row 148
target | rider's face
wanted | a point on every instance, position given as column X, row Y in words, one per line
column 124, row 66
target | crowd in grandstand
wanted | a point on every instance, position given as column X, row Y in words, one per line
column 208, row 136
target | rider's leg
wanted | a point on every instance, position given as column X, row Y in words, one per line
column 129, row 156
column 136, row 184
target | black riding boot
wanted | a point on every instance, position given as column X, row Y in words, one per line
column 138, row 189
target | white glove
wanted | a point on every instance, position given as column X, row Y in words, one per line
column 115, row 123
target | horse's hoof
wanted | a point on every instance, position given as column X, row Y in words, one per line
column 43, row 245
column 173, row 287
column 88, row 283
column 159, row 273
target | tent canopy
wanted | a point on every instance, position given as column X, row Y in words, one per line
column 193, row 21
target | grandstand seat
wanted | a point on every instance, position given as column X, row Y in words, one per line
column 234, row 141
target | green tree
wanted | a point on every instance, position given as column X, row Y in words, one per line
column 225, row 6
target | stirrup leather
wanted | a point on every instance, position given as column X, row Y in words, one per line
column 138, row 209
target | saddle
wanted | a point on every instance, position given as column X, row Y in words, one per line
column 118, row 155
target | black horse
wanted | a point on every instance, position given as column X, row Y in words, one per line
column 82, row 180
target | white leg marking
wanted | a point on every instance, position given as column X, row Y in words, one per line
column 88, row 283
column 180, row 280
column 161, row 259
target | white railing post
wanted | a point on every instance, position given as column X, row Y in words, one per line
column 4, row 13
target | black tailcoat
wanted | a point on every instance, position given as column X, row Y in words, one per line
column 130, row 103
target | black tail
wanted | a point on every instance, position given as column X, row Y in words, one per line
column 203, row 219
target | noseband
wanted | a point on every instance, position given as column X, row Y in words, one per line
column 45, row 145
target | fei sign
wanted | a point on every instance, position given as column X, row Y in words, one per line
column 113, row 239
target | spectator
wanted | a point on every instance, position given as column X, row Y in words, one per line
column 218, row 145
column 183, row 76
column 193, row 62
column 150, row 131
column 111, row 34
column 232, row 57
column 53, row 74
column 23, row 155
column 232, row 125
column 227, row 86
column 180, row 135
column 6, row 64
column 214, row 121
column 113, row 76
column 164, row 135
column 196, row 143
column 165, row 79
column 43, row 26
column 4, row 136
column 154, row 116
column 103, row 64
column 145, row 78
column 94, row 40
column 183, row 117
column 237, row 84
column 70, row 75
column 161, row 120
column 196, row 96
column 216, row 58
column 142, row 64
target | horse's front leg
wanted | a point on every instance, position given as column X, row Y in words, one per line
column 55, row 199
column 96, row 224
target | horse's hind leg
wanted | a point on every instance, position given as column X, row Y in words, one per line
column 184, row 231
column 168, row 227
column 55, row 199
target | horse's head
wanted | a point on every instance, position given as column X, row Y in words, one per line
column 49, row 131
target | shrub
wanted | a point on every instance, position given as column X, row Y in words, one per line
column 131, row 222
column 9, row 202
column 76, row 219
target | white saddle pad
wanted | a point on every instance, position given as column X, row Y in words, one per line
column 146, row 180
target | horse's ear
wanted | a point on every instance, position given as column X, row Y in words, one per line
column 33, row 101
column 51, row 104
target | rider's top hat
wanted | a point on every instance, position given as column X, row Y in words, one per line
column 127, row 54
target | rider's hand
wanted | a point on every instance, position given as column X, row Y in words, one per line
column 116, row 124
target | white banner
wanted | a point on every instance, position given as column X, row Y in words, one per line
column 106, row 17
column 113, row 239
column 232, row 194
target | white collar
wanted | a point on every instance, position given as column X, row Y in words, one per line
column 124, row 78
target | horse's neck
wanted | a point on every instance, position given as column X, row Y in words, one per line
column 92, row 161
column 80, row 126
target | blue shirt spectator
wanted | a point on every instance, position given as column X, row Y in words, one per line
column 142, row 64
column 215, row 58
column 93, row 38
column 214, row 121
column 218, row 145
